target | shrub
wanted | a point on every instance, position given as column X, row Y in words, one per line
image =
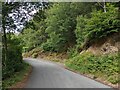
column 99, row 25
column 105, row 65
column 72, row 52
column 54, row 45
column 13, row 62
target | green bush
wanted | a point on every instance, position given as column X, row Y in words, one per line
column 99, row 25
column 102, row 24
column 47, row 46
column 16, row 77
column 72, row 52
column 54, row 45
column 80, row 31
column 13, row 62
column 61, row 23
column 105, row 65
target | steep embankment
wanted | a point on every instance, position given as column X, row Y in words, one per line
column 107, row 45
column 100, row 60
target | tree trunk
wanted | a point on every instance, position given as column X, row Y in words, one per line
column 4, row 43
column 104, row 7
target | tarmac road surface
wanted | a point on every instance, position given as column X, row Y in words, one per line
column 46, row 74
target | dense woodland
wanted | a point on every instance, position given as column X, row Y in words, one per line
column 65, row 27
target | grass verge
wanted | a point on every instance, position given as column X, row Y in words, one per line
column 102, row 68
column 18, row 79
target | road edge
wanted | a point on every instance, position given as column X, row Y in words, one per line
column 22, row 83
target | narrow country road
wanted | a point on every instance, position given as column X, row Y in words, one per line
column 46, row 74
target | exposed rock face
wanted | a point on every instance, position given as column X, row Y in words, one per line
column 108, row 48
column 108, row 45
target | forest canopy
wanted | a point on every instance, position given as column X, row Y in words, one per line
column 66, row 25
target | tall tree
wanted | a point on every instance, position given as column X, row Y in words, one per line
column 61, row 23
column 6, row 8
column 15, row 15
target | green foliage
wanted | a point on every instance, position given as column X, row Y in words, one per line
column 53, row 29
column 114, row 79
column 32, row 38
column 80, row 31
column 72, row 52
column 16, row 77
column 69, row 27
column 13, row 63
column 53, row 45
column 28, row 39
column 61, row 23
column 105, row 65
column 34, row 33
column 33, row 53
column 99, row 25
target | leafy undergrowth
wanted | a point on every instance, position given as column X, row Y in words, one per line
column 16, row 77
column 53, row 56
column 33, row 53
column 105, row 67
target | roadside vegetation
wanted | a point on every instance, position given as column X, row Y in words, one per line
column 13, row 66
column 66, row 32
column 105, row 67
column 17, row 80
column 14, row 69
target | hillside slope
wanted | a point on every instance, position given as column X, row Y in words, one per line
column 107, row 45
